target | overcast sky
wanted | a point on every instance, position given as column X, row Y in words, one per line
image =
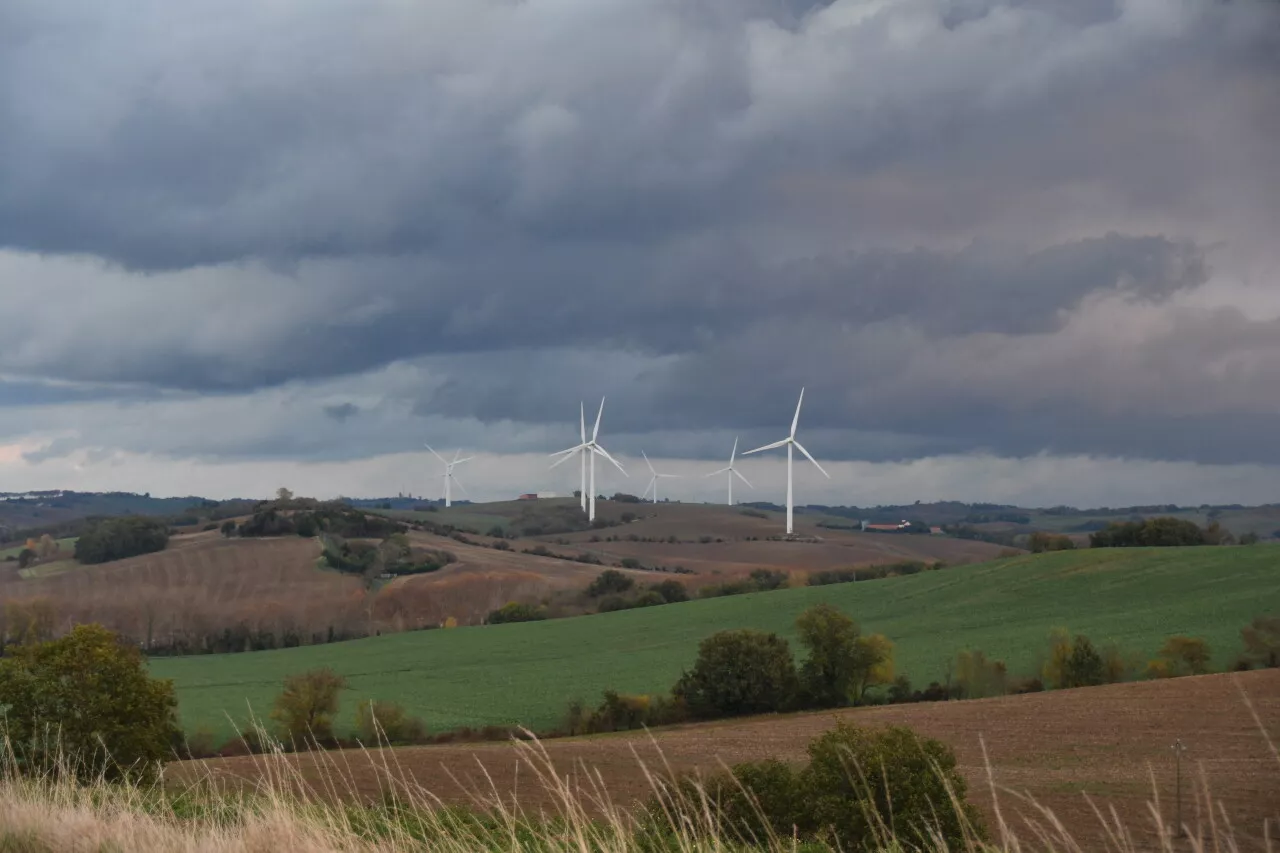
column 1017, row 251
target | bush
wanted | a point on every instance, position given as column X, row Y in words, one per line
column 1181, row 656
column 1163, row 531
column 1262, row 641
column 1039, row 542
column 977, row 677
column 610, row 582
column 118, row 538
column 630, row 563
column 1073, row 662
column 842, row 665
column 672, row 592
column 739, row 672
column 306, row 707
column 758, row 801
column 864, row 788
column 87, row 695
column 516, row 612
column 387, row 722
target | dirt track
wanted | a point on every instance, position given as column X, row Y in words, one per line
column 1107, row 742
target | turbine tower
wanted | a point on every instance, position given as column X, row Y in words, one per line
column 732, row 472
column 589, row 450
column 449, row 478
column 790, row 443
column 653, row 480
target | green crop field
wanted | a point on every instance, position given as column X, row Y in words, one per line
column 527, row 673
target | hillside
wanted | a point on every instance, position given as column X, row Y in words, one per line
column 1111, row 743
column 527, row 673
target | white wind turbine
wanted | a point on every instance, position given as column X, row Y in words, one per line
column 449, row 478
column 589, row 450
column 732, row 472
column 790, row 442
column 653, row 480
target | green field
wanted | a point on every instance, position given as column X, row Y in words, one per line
column 67, row 544
column 527, row 673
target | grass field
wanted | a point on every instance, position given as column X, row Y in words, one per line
column 526, row 673
column 68, row 544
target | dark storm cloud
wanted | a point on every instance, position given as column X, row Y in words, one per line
column 342, row 411
column 693, row 207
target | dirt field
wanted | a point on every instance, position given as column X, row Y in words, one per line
column 200, row 584
column 1109, row 743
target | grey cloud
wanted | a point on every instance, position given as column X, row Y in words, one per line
column 341, row 412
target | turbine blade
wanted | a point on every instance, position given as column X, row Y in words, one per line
column 647, row 462
column 735, row 451
column 456, row 453
column 796, row 420
column 582, row 420
column 458, row 483
column 677, row 476
column 598, row 449
column 800, row 447
column 570, row 450
column 565, row 456
column 653, row 481
column 721, row 471
column 742, row 478
column 464, row 459
column 782, row 443
column 436, row 455
column 596, row 432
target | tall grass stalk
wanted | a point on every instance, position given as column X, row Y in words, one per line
column 276, row 808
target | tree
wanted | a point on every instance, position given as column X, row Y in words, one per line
column 1041, row 541
column 1262, row 641
column 1085, row 667
column 307, row 705
column 228, row 528
column 610, row 582
column 1250, row 538
column 978, row 677
column 26, row 557
column 862, row 785
column 118, row 538
column 1055, row 668
column 1182, row 655
column 387, row 722
column 831, row 637
column 283, row 495
column 88, row 696
column 739, row 672
column 47, row 547
column 30, row 621
column 516, row 612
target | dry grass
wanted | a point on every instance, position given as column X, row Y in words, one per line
column 283, row 811
column 1069, row 752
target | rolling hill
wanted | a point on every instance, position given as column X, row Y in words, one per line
column 527, row 673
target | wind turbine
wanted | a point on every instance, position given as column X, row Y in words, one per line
column 448, row 473
column 732, row 472
column 589, row 449
column 790, row 442
column 653, row 480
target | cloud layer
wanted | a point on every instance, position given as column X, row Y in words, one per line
column 322, row 231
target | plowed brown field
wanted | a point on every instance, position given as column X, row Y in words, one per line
column 1110, row 743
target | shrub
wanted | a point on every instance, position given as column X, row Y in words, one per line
column 1181, row 656
column 1165, row 531
column 630, row 563
column 1073, row 662
column 1262, row 641
column 387, row 722
column 759, row 801
column 739, row 672
column 765, row 580
column 26, row 557
column 306, row 707
column 622, row 711
column 1085, row 667
column 977, row 677
column 842, row 664
column 87, row 695
column 672, row 592
column 610, row 582
column 228, row 528
column 864, row 787
column 516, row 612
column 1039, row 542
column 118, row 538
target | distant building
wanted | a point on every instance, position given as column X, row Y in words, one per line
column 935, row 530
column 885, row 528
column 546, row 494
column 529, row 497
